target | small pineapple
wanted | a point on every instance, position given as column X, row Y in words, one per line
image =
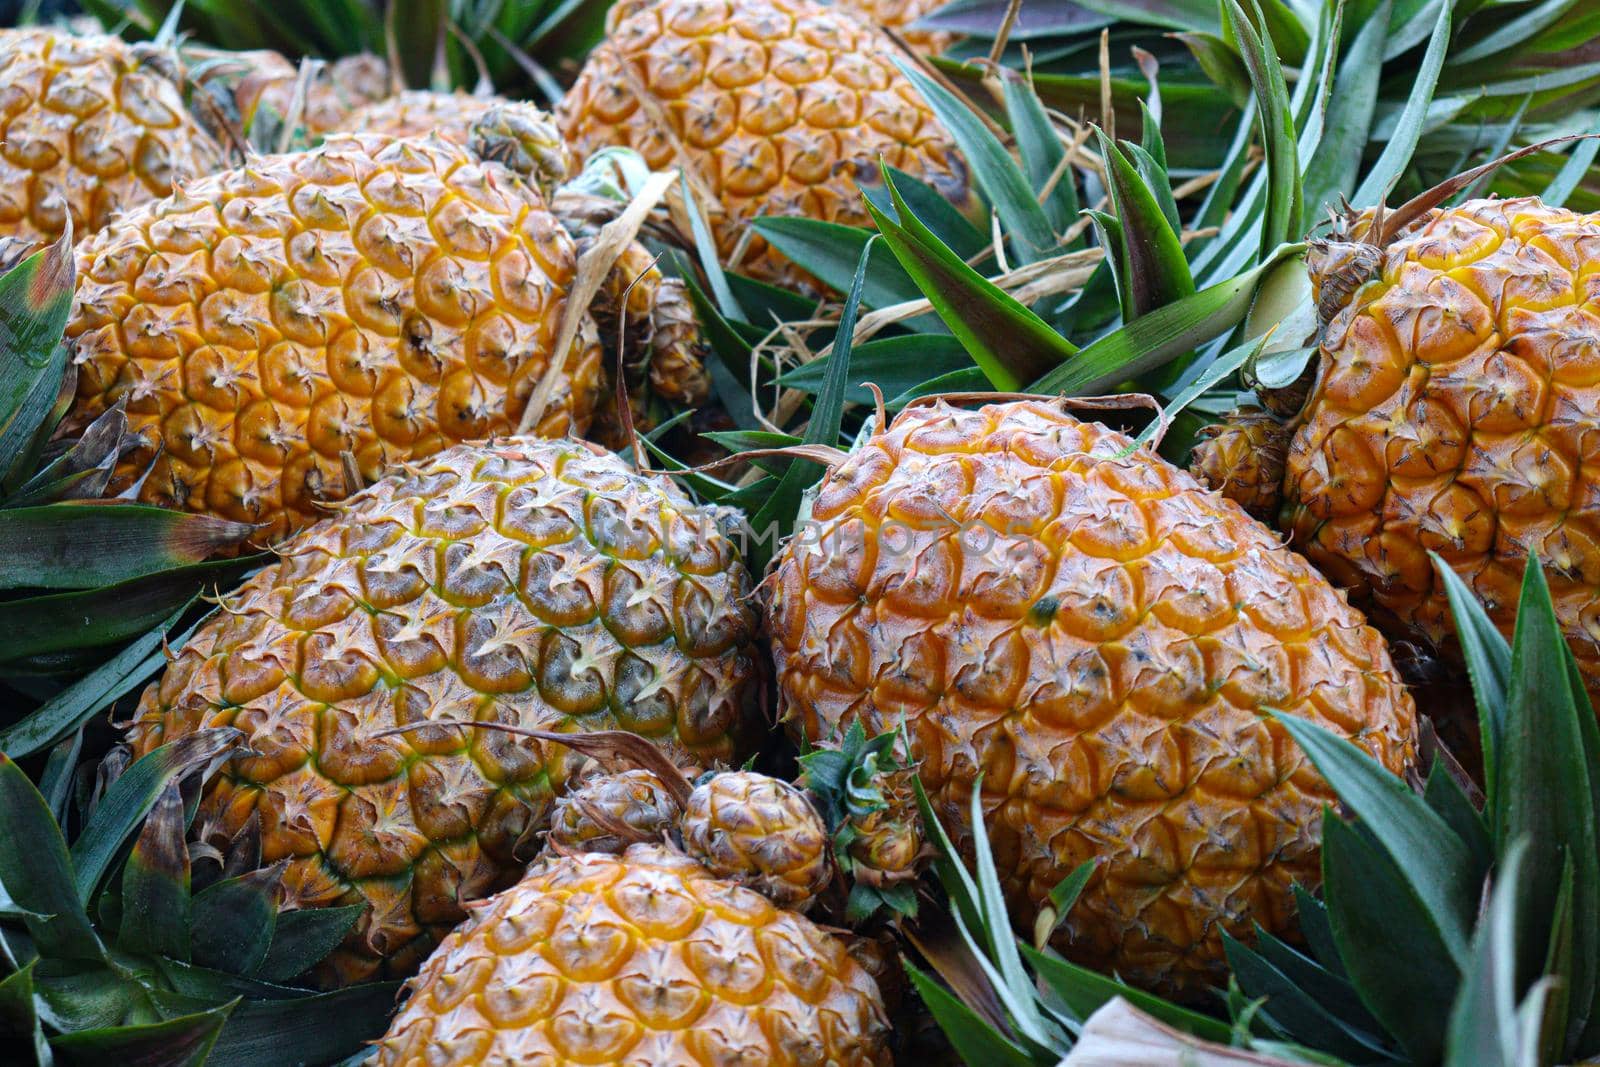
column 867, row 793
column 90, row 131
column 771, row 107
column 761, row 832
column 642, row 959
column 1097, row 635
column 377, row 298
column 609, row 811
column 541, row 584
column 1242, row 457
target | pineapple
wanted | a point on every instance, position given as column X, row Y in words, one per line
column 760, row 832
column 608, row 812
column 531, row 582
column 89, row 131
column 897, row 15
column 418, row 112
column 644, row 959
column 663, row 352
column 1097, row 636
column 380, row 298
column 772, row 107
column 1453, row 413
column 1242, row 457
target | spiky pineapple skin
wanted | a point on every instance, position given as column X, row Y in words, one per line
column 382, row 298
column 419, row 112
column 645, row 960
column 608, row 812
column 761, row 832
column 1098, row 635
column 87, row 133
column 773, row 107
column 1454, row 413
column 1243, row 457
column 539, row 583
column 898, row 15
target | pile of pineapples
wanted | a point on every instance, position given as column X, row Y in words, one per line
column 769, row 531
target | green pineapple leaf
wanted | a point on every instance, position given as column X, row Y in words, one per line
column 1291, row 1003
column 1009, row 342
column 67, row 711
column 128, row 799
column 1408, row 129
column 1545, row 793
column 235, row 920
column 1022, row 218
column 1155, row 269
column 185, row 1041
column 36, row 871
column 35, row 298
column 1043, row 155
column 1432, row 860
column 1399, row 961
column 974, row 1040
column 831, row 252
column 1283, row 208
column 301, row 938
column 1485, row 1024
column 155, row 883
column 83, row 544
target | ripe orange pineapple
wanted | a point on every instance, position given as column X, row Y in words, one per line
column 643, row 959
column 88, row 131
column 1097, row 635
column 1454, row 413
column 538, row 583
column 774, row 107
column 380, row 298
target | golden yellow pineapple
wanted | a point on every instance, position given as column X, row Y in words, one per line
column 646, row 960
column 773, row 107
column 1454, row 413
column 380, row 298
column 87, row 130
column 663, row 353
column 761, row 832
column 1098, row 636
column 531, row 582
column 1242, row 457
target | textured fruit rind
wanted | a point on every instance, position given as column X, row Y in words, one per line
column 382, row 298
column 1455, row 413
column 85, row 130
column 761, row 832
column 776, row 107
column 1099, row 636
column 646, row 960
column 529, row 582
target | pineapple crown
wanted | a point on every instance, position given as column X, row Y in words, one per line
column 1352, row 254
column 860, row 785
